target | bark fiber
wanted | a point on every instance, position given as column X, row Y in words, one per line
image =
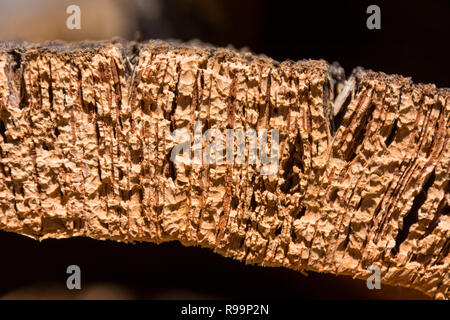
column 363, row 173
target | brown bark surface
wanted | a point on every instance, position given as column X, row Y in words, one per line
column 363, row 174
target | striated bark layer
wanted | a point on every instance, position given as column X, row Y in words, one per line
column 363, row 174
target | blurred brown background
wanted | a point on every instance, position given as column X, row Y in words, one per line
column 413, row 42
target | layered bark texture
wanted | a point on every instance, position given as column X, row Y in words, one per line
column 363, row 176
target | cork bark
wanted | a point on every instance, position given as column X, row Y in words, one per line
column 363, row 175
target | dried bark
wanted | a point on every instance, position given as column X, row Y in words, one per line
column 363, row 176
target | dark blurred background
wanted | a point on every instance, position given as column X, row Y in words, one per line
column 413, row 41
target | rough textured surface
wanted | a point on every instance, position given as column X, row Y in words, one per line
column 363, row 174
